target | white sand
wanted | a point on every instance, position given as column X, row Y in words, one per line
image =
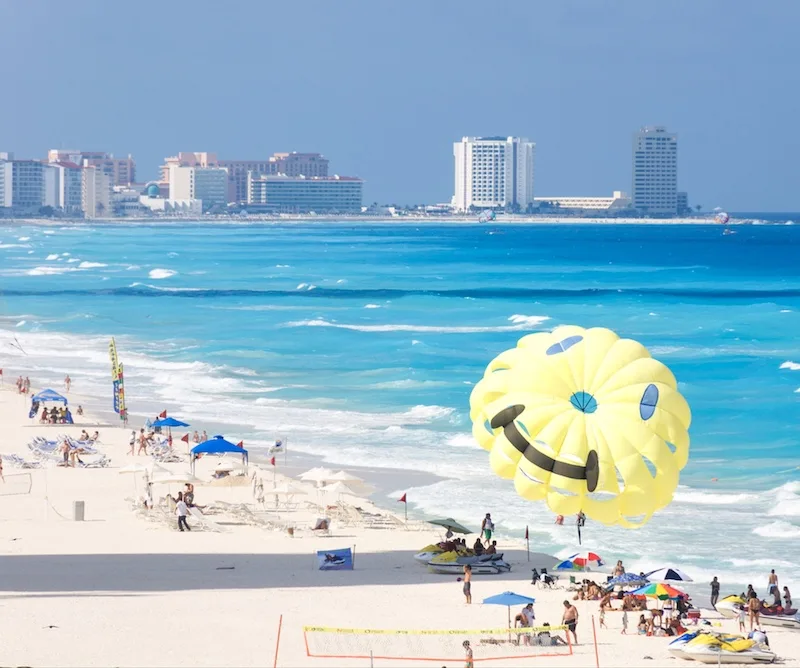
column 118, row 590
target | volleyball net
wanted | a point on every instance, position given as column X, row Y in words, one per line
column 444, row 646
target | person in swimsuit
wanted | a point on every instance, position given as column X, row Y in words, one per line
column 468, row 583
column 787, row 595
column 714, row 592
column 570, row 620
column 773, row 584
column 754, row 606
column 467, row 655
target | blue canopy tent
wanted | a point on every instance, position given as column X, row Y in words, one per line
column 169, row 422
column 217, row 445
column 48, row 396
column 508, row 598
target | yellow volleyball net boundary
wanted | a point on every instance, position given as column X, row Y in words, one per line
column 494, row 644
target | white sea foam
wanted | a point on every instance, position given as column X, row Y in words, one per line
column 65, row 254
column 786, row 310
column 787, row 499
column 52, row 257
column 172, row 254
column 407, row 383
column 710, row 498
column 132, row 267
column 24, row 239
column 792, row 366
column 20, row 323
column 462, row 441
column 161, row 273
column 372, row 306
column 74, row 259
column 2, row 245
column 302, row 286
column 49, row 271
column 282, row 266
column 161, row 288
column 521, row 323
column 91, row 265
column 779, row 529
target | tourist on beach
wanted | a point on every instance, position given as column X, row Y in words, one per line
column 603, row 618
column 714, row 592
column 641, row 627
column 478, row 547
column 487, row 528
column 740, row 615
column 143, row 439
column 624, row 622
column 570, row 620
column 188, row 495
column 468, row 655
column 132, row 442
column 787, row 595
column 492, row 549
column 181, row 510
column 468, row 583
column 754, row 607
column 27, row 385
column 195, row 437
column 204, row 437
column 67, row 382
column 2, row 477
column 559, row 520
column 619, row 569
column 80, row 410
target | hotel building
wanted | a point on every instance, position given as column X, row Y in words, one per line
column 655, row 171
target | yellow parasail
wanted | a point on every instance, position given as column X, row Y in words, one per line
column 585, row 421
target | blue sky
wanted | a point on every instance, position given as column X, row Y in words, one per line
column 383, row 88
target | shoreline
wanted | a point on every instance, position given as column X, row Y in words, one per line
column 395, row 220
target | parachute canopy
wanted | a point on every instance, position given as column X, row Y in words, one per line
column 722, row 218
column 585, row 421
column 487, row 216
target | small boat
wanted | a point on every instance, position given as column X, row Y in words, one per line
column 713, row 648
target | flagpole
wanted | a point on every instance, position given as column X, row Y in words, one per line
column 527, row 542
column 405, row 508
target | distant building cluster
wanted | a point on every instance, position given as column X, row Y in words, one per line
column 497, row 173
column 98, row 185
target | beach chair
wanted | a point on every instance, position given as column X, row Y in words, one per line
column 205, row 523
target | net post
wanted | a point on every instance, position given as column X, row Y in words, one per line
column 596, row 653
column 371, row 662
column 278, row 642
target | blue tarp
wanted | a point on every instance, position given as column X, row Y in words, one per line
column 49, row 395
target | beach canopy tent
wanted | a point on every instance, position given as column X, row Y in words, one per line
column 49, row 396
column 217, row 445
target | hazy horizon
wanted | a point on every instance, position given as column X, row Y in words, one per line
column 383, row 90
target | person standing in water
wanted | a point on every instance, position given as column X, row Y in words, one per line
column 773, row 587
column 714, row 592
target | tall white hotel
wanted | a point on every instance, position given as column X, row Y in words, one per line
column 493, row 172
column 655, row 171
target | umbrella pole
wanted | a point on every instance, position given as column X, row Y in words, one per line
column 509, row 624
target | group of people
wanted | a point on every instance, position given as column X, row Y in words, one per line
column 199, row 438
column 54, row 415
column 24, row 385
column 183, row 503
column 143, row 439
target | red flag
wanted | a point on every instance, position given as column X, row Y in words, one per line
column 272, row 461
column 1, row 372
column 402, row 499
column 240, row 444
column 162, row 414
column 526, row 532
column 185, row 438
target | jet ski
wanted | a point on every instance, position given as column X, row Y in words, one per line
column 676, row 646
column 427, row 553
column 713, row 648
column 453, row 563
column 769, row 615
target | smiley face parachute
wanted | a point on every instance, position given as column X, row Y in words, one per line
column 585, row 421
column 722, row 218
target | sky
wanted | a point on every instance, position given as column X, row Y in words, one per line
column 383, row 88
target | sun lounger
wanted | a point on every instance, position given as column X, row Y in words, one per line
column 205, row 523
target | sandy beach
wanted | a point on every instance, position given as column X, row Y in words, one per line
column 121, row 589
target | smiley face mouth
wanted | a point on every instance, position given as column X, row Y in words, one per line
column 506, row 419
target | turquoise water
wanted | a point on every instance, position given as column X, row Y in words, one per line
column 360, row 344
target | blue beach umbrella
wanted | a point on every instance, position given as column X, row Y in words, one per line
column 169, row 422
column 508, row 598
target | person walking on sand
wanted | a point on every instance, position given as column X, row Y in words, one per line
column 570, row 620
column 67, row 382
column 624, row 622
column 714, row 592
column 182, row 510
column 468, row 662
column 487, row 528
column 132, row 443
column 142, row 443
column 468, row 583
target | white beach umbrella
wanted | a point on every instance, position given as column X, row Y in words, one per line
column 344, row 476
column 285, row 489
column 319, row 475
column 134, row 468
column 175, row 478
column 157, row 469
column 339, row 488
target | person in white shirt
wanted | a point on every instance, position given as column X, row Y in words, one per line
column 182, row 511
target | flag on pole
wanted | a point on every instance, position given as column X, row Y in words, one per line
column 404, row 501
column 272, row 461
column 185, row 438
column 240, row 444
column 162, row 414
column 526, row 532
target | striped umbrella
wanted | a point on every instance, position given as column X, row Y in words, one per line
column 658, row 590
column 581, row 562
column 669, row 575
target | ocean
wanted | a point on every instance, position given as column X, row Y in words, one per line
column 359, row 345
